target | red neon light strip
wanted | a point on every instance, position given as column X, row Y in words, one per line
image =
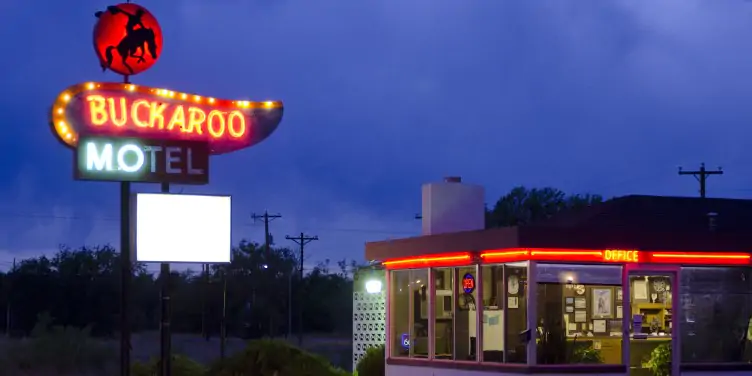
column 511, row 255
column 426, row 261
column 700, row 258
column 573, row 255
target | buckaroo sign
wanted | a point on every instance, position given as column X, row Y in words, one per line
column 128, row 110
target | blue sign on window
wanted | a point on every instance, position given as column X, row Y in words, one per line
column 405, row 340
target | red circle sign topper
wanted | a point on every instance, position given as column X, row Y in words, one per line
column 127, row 39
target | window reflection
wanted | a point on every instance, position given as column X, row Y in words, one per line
column 408, row 316
column 579, row 314
column 443, row 312
column 465, row 314
column 716, row 305
column 504, row 312
column 419, row 318
column 399, row 312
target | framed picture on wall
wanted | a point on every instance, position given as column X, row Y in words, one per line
column 569, row 309
column 580, row 303
column 580, row 316
column 512, row 302
column 599, row 326
column 602, row 302
column 640, row 290
column 619, row 296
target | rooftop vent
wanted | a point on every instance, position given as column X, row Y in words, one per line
column 712, row 221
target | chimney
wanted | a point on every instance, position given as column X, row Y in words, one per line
column 452, row 206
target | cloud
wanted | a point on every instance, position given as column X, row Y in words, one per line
column 381, row 96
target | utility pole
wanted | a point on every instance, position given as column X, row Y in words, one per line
column 702, row 176
column 267, row 218
column 223, row 320
column 301, row 240
column 267, row 238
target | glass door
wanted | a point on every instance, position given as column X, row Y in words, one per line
column 649, row 319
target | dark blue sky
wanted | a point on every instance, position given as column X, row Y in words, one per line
column 594, row 96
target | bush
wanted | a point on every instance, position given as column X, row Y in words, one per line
column 372, row 363
column 58, row 349
column 586, row 355
column 181, row 366
column 266, row 357
column 660, row 360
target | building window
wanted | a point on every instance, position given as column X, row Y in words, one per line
column 504, row 312
column 408, row 316
column 716, row 304
column 454, row 313
column 399, row 312
column 443, row 303
column 579, row 314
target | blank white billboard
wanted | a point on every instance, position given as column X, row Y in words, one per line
column 182, row 228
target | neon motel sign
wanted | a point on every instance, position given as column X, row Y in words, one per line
column 126, row 110
column 142, row 160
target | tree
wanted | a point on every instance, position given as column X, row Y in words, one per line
column 523, row 206
column 79, row 287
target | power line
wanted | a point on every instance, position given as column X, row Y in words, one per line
column 301, row 240
column 702, row 176
column 113, row 221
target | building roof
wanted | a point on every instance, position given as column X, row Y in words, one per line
column 660, row 213
column 683, row 224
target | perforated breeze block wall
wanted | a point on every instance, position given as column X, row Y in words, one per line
column 369, row 315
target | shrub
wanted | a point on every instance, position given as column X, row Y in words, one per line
column 266, row 357
column 660, row 360
column 586, row 355
column 181, row 366
column 372, row 363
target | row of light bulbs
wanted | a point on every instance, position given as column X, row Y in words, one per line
column 65, row 131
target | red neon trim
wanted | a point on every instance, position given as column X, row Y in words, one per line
column 429, row 261
column 609, row 256
column 700, row 258
column 508, row 255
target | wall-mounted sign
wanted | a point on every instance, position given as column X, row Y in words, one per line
column 126, row 110
column 468, row 283
column 142, row 160
column 615, row 255
column 127, row 39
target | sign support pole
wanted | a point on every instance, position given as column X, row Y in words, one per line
column 125, row 274
column 223, row 322
column 125, row 279
column 164, row 328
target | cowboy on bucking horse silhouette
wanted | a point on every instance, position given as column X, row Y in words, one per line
column 136, row 37
column 134, row 20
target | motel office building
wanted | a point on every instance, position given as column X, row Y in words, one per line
column 632, row 286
